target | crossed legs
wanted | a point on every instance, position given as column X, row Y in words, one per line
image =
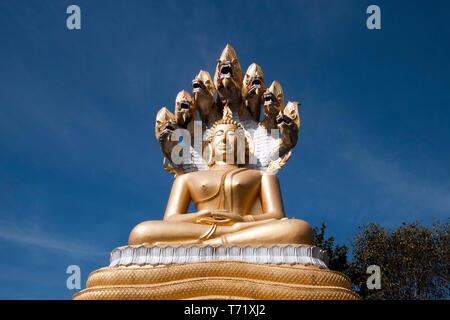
column 264, row 232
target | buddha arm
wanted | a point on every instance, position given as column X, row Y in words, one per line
column 179, row 201
column 271, row 201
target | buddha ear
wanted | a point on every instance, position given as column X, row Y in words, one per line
column 208, row 152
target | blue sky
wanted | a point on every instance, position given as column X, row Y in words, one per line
column 79, row 164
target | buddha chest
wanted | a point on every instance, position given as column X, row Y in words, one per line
column 231, row 190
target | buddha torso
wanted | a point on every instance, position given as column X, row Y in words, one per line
column 226, row 188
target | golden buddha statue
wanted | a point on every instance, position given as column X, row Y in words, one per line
column 236, row 205
column 238, row 244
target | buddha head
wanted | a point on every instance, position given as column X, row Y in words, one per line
column 228, row 142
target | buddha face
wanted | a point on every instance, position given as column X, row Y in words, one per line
column 229, row 144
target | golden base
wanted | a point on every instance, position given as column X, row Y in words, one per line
column 217, row 280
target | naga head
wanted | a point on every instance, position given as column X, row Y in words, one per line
column 184, row 109
column 203, row 92
column 253, row 88
column 165, row 121
column 291, row 111
column 228, row 77
column 273, row 100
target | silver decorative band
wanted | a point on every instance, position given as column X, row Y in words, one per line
column 276, row 254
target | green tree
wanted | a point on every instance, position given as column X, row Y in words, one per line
column 336, row 253
column 413, row 260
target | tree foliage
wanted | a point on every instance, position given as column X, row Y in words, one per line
column 413, row 260
column 336, row 253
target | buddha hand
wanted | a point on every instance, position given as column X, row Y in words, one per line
column 218, row 217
